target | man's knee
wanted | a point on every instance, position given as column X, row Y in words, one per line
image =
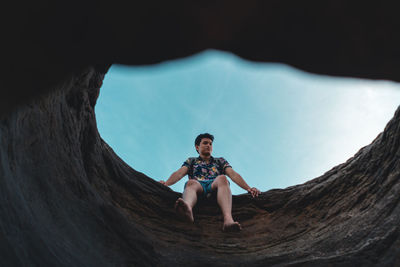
column 192, row 184
column 222, row 180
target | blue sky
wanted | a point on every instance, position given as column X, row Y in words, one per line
column 276, row 125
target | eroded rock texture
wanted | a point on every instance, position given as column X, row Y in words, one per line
column 68, row 200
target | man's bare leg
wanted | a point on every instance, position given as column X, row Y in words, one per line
column 184, row 205
column 224, row 199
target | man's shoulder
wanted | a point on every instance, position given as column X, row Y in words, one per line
column 191, row 160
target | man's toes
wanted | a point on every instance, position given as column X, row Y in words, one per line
column 179, row 203
column 232, row 227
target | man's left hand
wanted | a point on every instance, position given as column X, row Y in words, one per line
column 254, row 192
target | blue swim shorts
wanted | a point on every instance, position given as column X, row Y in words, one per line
column 206, row 186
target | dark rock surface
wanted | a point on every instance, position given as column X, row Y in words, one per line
column 45, row 41
column 68, row 200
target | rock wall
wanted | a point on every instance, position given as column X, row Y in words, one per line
column 68, row 200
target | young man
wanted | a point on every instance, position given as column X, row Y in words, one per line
column 208, row 174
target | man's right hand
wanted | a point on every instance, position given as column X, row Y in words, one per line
column 163, row 182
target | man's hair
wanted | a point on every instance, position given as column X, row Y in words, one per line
column 201, row 136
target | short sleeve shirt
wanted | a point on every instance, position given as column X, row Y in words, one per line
column 203, row 171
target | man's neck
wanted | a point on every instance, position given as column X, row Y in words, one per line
column 205, row 158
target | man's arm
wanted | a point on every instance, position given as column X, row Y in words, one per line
column 241, row 182
column 176, row 176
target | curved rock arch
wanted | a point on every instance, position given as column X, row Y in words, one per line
column 68, row 200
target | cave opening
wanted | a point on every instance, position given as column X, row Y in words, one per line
column 68, row 200
column 276, row 125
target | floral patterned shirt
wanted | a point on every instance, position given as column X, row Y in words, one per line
column 203, row 171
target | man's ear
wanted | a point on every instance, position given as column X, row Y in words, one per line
column 197, row 148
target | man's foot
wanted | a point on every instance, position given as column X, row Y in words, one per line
column 231, row 227
column 183, row 210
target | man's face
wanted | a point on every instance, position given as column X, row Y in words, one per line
column 205, row 147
